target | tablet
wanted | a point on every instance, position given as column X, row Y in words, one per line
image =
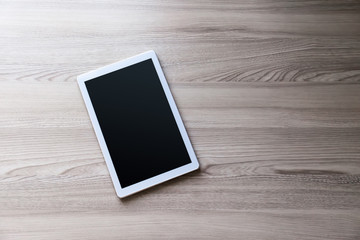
column 137, row 124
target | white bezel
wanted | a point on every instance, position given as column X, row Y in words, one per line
column 123, row 192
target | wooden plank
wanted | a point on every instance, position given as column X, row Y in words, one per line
column 262, row 148
column 269, row 92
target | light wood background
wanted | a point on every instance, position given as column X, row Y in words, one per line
column 269, row 91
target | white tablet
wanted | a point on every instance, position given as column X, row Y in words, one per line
column 137, row 124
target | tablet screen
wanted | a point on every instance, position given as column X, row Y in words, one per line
column 137, row 123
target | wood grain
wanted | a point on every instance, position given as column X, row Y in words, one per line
column 269, row 92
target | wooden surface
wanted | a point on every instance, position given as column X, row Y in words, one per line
column 269, row 92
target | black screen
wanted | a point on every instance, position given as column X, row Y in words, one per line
column 137, row 123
